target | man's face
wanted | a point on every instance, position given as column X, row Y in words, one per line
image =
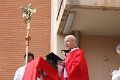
column 68, row 43
column 30, row 58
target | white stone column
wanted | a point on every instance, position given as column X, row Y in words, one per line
column 77, row 35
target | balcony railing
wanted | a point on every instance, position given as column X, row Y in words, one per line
column 106, row 3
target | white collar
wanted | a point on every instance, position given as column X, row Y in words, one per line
column 74, row 49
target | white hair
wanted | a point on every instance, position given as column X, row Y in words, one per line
column 71, row 37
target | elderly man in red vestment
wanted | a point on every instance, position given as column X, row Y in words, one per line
column 74, row 64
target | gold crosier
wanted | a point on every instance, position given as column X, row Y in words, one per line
column 27, row 13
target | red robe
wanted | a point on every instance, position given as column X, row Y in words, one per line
column 76, row 65
column 31, row 71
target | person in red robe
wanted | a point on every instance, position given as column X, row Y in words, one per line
column 40, row 68
column 74, row 64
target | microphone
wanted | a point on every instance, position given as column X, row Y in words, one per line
column 66, row 51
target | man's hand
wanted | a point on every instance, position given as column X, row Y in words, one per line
column 62, row 63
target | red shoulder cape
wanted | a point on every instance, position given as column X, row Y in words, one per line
column 76, row 65
column 31, row 71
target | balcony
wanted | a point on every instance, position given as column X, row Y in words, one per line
column 90, row 17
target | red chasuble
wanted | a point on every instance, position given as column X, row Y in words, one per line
column 76, row 65
column 31, row 71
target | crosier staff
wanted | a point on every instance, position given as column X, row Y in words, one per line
column 27, row 13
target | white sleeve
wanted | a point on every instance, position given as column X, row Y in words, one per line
column 19, row 73
column 16, row 76
column 116, row 75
